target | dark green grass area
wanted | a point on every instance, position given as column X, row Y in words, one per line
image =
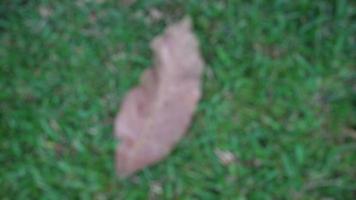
column 279, row 93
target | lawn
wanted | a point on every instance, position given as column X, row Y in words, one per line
column 279, row 93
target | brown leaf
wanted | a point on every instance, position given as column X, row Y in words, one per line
column 155, row 115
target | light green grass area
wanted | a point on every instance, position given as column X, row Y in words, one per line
column 279, row 93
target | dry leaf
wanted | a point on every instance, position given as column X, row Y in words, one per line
column 45, row 11
column 155, row 14
column 155, row 115
column 225, row 157
column 128, row 2
column 155, row 190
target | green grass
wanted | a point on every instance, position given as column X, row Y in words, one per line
column 279, row 93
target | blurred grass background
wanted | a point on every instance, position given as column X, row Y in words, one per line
column 279, row 94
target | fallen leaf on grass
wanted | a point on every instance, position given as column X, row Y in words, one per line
column 155, row 115
column 155, row 14
column 225, row 157
column 45, row 12
column 155, row 190
column 128, row 2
